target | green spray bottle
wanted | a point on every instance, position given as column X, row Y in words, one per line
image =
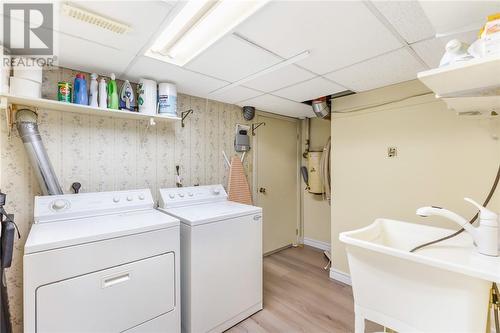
column 112, row 93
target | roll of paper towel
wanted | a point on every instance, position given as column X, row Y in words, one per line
column 27, row 68
column 25, row 88
column 147, row 96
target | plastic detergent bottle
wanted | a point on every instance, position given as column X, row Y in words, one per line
column 112, row 93
column 93, row 90
column 80, row 90
column 103, row 94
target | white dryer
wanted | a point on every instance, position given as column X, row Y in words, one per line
column 221, row 257
column 101, row 262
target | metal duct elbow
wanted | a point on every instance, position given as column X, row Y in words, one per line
column 320, row 108
column 27, row 127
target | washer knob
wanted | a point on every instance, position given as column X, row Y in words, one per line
column 190, row 194
column 59, row 204
column 216, row 191
column 129, row 198
column 116, row 199
column 141, row 197
column 181, row 195
column 171, row 195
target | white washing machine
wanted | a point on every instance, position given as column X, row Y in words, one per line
column 101, row 262
column 221, row 257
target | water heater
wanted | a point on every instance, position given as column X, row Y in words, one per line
column 313, row 169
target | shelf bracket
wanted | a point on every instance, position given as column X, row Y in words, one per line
column 255, row 126
column 184, row 115
column 10, row 113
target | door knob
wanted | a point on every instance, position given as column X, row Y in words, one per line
column 262, row 190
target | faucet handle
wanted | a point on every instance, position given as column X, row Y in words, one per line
column 485, row 213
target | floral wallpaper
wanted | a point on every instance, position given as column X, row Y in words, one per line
column 105, row 153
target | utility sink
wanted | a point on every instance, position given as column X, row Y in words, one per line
column 442, row 288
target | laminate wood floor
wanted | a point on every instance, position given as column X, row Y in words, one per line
column 300, row 297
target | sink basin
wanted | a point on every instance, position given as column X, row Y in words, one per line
column 442, row 288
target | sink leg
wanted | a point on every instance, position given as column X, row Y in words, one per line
column 359, row 323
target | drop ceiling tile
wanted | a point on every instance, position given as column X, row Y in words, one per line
column 187, row 82
column 235, row 94
column 308, row 90
column 432, row 50
column 338, row 33
column 408, row 18
column 144, row 17
column 103, row 59
column 278, row 105
column 280, row 78
column 447, row 16
column 232, row 59
column 390, row 68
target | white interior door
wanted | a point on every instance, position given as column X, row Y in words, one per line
column 277, row 180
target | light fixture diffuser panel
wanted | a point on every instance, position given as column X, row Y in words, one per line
column 196, row 27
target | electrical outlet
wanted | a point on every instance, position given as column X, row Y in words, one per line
column 392, row 152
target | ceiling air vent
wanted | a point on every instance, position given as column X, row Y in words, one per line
column 94, row 19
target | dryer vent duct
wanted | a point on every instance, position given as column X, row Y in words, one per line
column 28, row 131
column 320, row 108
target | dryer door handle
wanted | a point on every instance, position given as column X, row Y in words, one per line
column 119, row 278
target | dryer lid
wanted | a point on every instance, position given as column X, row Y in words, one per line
column 53, row 235
column 211, row 212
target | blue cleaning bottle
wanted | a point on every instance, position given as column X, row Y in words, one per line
column 80, row 90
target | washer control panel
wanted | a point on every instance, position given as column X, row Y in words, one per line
column 184, row 196
column 59, row 207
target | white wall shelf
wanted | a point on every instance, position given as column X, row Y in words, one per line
column 47, row 104
column 478, row 75
column 471, row 87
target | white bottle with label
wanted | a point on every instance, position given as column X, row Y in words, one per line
column 93, row 90
column 103, row 94
column 167, row 99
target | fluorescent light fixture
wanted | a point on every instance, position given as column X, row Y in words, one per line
column 199, row 24
column 265, row 71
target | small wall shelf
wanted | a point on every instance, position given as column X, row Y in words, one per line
column 40, row 103
column 479, row 75
column 471, row 87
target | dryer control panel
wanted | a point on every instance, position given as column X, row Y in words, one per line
column 59, row 207
column 185, row 196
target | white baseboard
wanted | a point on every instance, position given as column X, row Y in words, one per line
column 340, row 276
column 317, row 244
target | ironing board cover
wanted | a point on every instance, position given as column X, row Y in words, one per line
column 238, row 188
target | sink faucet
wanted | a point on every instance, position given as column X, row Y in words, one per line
column 485, row 236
